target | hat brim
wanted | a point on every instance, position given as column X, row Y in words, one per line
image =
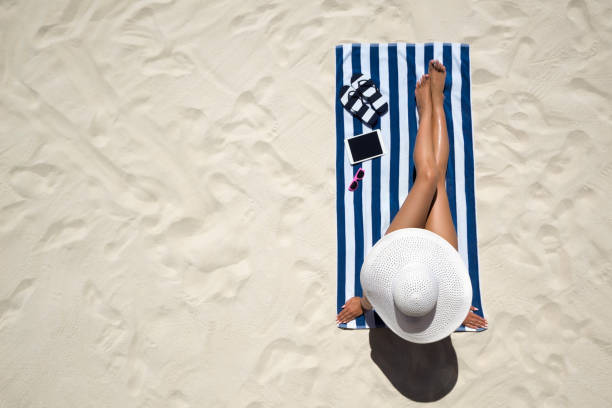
column 410, row 245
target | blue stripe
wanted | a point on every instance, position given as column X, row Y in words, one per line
column 412, row 122
column 376, row 215
column 447, row 60
column 357, row 194
column 428, row 55
column 394, row 123
column 466, row 109
column 374, row 74
column 340, row 184
column 341, row 177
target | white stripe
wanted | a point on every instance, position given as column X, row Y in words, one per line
column 459, row 153
column 355, row 83
column 419, row 56
column 438, row 51
column 385, row 131
column 344, row 99
column 367, row 115
column 367, row 167
column 349, row 284
column 402, row 84
column 378, row 103
column 369, row 92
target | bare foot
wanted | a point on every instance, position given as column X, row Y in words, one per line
column 437, row 71
column 423, row 94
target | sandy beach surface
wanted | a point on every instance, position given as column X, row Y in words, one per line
column 167, row 203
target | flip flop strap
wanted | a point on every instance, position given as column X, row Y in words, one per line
column 367, row 115
column 377, row 101
column 366, row 87
column 354, row 103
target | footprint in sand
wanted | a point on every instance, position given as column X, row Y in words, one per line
column 220, row 284
column 251, row 112
column 35, row 181
column 13, row 215
column 114, row 331
column 11, row 307
column 116, row 340
column 121, row 238
column 306, row 316
column 267, row 157
column 291, row 216
column 284, row 363
column 169, row 63
column 254, row 20
column 578, row 13
column 224, row 190
column 483, row 76
column 63, row 233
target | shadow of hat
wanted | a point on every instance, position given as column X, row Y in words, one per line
column 421, row 372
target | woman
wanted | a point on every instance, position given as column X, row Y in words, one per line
column 426, row 206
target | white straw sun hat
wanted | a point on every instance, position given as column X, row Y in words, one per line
column 418, row 284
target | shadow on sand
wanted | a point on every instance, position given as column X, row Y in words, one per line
column 421, row 372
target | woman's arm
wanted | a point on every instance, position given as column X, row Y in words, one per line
column 353, row 308
column 365, row 303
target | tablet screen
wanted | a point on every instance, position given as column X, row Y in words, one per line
column 365, row 146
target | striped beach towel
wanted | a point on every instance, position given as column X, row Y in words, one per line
column 364, row 215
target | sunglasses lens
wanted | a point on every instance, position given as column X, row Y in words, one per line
column 360, row 173
column 353, row 185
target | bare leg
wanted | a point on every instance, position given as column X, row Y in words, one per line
column 414, row 210
column 440, row 220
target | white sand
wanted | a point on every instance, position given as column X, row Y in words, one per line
column 167, row 206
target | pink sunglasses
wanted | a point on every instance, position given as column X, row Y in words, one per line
column 358, row 176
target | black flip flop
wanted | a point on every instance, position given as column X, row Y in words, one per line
column 366, row 88
column 351, row 100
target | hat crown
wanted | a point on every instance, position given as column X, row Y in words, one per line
column 415, row 290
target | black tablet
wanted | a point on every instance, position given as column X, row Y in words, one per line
column 365, row 146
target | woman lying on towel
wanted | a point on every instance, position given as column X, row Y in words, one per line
column 426, row 206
